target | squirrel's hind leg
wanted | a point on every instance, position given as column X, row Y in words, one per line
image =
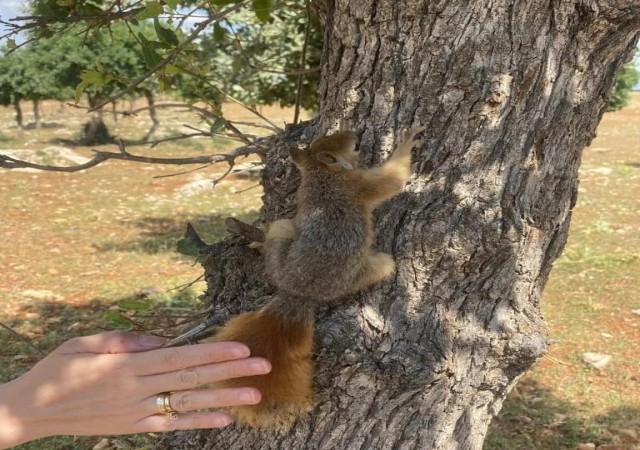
column 376, row 267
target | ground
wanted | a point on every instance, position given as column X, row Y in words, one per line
column 90, row 251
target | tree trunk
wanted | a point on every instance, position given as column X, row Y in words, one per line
column 511, row 93
column 16, row 106
column 95, row 132
column 153, row 113
column 36, row 114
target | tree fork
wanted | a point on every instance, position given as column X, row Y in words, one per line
column 511, row 93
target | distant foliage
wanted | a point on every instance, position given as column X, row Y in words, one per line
column 205, row 51
column 627, row 80
column 67, row 65
column 259, row 62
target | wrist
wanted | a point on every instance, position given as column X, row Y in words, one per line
column 15, row 427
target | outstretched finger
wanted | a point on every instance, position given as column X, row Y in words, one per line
column 193, row 377
column 112, row 342
column 199, row 399
column 183, row 421
column 176, row 358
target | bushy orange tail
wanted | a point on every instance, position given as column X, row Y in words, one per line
column 286, row 341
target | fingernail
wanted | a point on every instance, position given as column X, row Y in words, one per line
column 149, row 341
column 240, row 351
column 260, row 366
column 248, row 397
column 223, row 421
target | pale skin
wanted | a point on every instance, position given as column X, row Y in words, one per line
column 107, row 384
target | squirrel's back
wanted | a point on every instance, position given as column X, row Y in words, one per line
column 334, row 232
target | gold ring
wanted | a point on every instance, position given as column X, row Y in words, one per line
column 163, row 404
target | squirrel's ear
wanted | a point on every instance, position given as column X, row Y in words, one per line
column 327, row 158
column 333, row 162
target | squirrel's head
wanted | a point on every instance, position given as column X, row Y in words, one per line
column 336, row 152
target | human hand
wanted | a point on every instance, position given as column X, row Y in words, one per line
column 108, row 383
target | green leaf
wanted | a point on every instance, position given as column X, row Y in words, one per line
column 219, row 33
column 218, row 125
column 92, row 77
column 11, row 44
column 172, row 69
column 263, row 9
column 135, row 305
column 165, row 34
column 116, row 319
column 151, row 9
column 172, row 3
column 80, row 87
column 187, row 247
column 65, row 2
column 151, row 58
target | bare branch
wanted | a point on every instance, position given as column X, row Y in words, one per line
column 8, row 162
column 202, row 111
column 21, row 337
column 44, row 21
column 247, row 59
column 192, row 235
column 274, row 127
column 191, row 337
column 184, row 172
column 303, row 60
column 247, row 231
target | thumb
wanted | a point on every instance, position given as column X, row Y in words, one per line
column 112, row 342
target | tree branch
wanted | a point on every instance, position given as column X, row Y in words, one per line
column 44, row 21
column 8, row 162
column 303, row 60
column 21, row 337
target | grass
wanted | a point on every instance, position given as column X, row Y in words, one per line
column 94, row 241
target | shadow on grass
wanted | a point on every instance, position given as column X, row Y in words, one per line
column 160, row 234
column 533, row 419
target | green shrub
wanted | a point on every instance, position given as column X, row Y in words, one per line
column 628, row 78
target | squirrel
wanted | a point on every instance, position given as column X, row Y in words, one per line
column 321, row 255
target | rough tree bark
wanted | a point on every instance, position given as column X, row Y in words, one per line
column 511, row 93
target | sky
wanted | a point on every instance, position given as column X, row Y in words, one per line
column 8, row 10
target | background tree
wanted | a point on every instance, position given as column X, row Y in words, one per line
column 511, row 94
column 117, row 58
column 627, row 80
column 260, row 63
column 10, row 73
column 33, row 74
